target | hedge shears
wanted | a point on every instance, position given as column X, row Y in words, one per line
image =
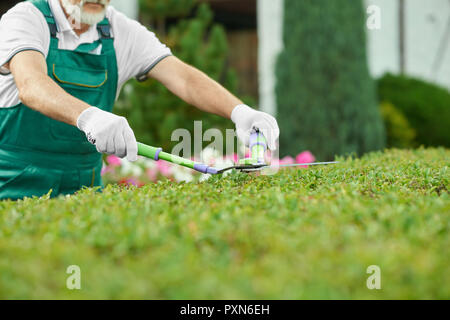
column 256, row 161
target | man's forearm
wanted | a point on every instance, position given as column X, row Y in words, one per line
column 208, row 95
column 45, row 96
column 39, row 92
column 194, row 87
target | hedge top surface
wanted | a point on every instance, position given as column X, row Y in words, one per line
column 308, row 233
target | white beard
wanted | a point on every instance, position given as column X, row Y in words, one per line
column 77, row 14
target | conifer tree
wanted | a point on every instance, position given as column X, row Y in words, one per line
column 326, row 99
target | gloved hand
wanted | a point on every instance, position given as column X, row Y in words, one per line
column 246, row 118
column 110, row 134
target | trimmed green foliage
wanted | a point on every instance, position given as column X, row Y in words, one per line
column 398, row 130
column 308, row 233
column 326, row 98
column 425, row 105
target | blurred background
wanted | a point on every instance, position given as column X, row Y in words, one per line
column 342, row 77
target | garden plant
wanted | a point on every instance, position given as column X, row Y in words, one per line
column 301, row 233
column 326, row 97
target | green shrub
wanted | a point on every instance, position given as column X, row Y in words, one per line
column 425, row 105
column 326, row 98
column 300, row 234
column 398, row 130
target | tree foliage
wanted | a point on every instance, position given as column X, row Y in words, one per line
column 327, row 100
column 153, row 111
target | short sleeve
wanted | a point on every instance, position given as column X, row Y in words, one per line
column 138, row 50
column 22, row 28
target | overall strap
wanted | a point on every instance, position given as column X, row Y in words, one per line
column 104, row 29
column 106, row 38
column 44, row 7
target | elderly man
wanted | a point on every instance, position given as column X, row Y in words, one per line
column 62, row 64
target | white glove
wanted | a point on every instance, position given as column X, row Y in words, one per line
column 246, row 118
column 109, row 133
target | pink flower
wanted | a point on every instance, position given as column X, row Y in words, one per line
column 211, row 162
column 105, row 170
column 114, row 161
column 234, row 157
column 305, row 157
column 164, row 168
column 133, row 181
column 152, row 174
column 287, row 160
column 130, row 181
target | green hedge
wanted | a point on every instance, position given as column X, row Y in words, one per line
column 301, row 234
column 426, row 107
column 399, row 133
column 327, row 100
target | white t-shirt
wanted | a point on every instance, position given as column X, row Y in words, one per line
column 24, row 27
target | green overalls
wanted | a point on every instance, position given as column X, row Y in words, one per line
column 38, row 153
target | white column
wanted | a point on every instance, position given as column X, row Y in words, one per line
column 270, row 33
column 427, row 50
column 129, row 7
column 383, row 44
column 427, row 40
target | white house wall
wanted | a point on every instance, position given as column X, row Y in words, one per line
column 270, row 38
column 425, row 27
column 383, row 44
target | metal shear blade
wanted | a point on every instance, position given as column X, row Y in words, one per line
column 257, row 167
column 245, row 168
